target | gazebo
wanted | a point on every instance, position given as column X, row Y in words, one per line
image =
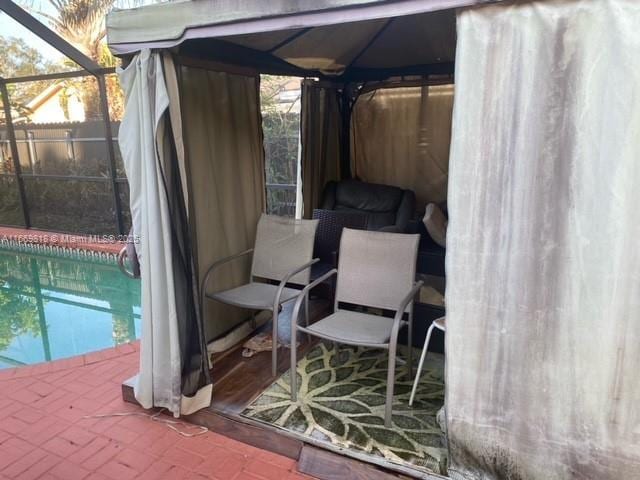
column 542, row 274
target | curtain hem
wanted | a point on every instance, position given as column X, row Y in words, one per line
column 201, row 399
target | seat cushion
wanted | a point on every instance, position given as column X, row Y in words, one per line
column 436, row 224
column 375, row 220
column 254, row 295
column 354, row 327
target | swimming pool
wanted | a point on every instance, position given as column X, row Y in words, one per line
column 55, row 306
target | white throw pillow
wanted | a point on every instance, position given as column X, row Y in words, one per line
column 436, row 224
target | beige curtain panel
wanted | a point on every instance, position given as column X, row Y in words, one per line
column 401, row 136
column 543, row 284
column 225, row 162
column 173, row 369
column 320, row 125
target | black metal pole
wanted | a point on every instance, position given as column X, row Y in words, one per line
column 345, row 133
column 59, row 75
column 113, row 173
column 14, row 153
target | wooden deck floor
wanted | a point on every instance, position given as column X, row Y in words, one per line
column 238, row 380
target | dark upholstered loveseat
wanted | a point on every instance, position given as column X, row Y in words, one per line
column 387, row 208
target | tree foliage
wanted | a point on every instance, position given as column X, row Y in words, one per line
column 18, row 313
column 18, row 59
column 82, row 24
column 19, row 316
column 280, row 123
column 281, row 128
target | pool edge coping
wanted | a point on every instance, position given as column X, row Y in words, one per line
column 68, row 363
column 29, row 238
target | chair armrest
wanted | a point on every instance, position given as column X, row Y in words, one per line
column 287, row 277
column 297, row 270
column 401, row 309
column 409, row 297
column 305, row 290
column 217, row 264
column 319, row 280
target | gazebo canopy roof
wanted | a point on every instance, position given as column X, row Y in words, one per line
column 349, row 38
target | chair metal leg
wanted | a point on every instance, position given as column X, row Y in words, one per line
column 306, row 309
column 391, row 378
column 306, row 315
column 336, row 354
column 293, row 381
column 423, row 355
column 293, row 377
column 274, row 346
column 410, row 344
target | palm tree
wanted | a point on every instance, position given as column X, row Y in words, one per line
column 81, row 23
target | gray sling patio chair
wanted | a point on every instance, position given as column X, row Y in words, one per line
column 375, row 269
column 282, row 253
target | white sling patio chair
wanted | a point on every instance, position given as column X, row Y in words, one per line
column 440, row 324
column 375, row 269
column 282, row 253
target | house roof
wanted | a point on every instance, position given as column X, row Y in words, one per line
column 44, row 95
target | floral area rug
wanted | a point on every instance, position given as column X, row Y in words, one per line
column 341, row 400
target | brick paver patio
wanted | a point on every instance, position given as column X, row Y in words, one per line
column 43, row 434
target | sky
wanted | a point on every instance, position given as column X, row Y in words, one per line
column 10, row 28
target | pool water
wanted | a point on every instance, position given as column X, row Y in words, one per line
column 54, row 307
